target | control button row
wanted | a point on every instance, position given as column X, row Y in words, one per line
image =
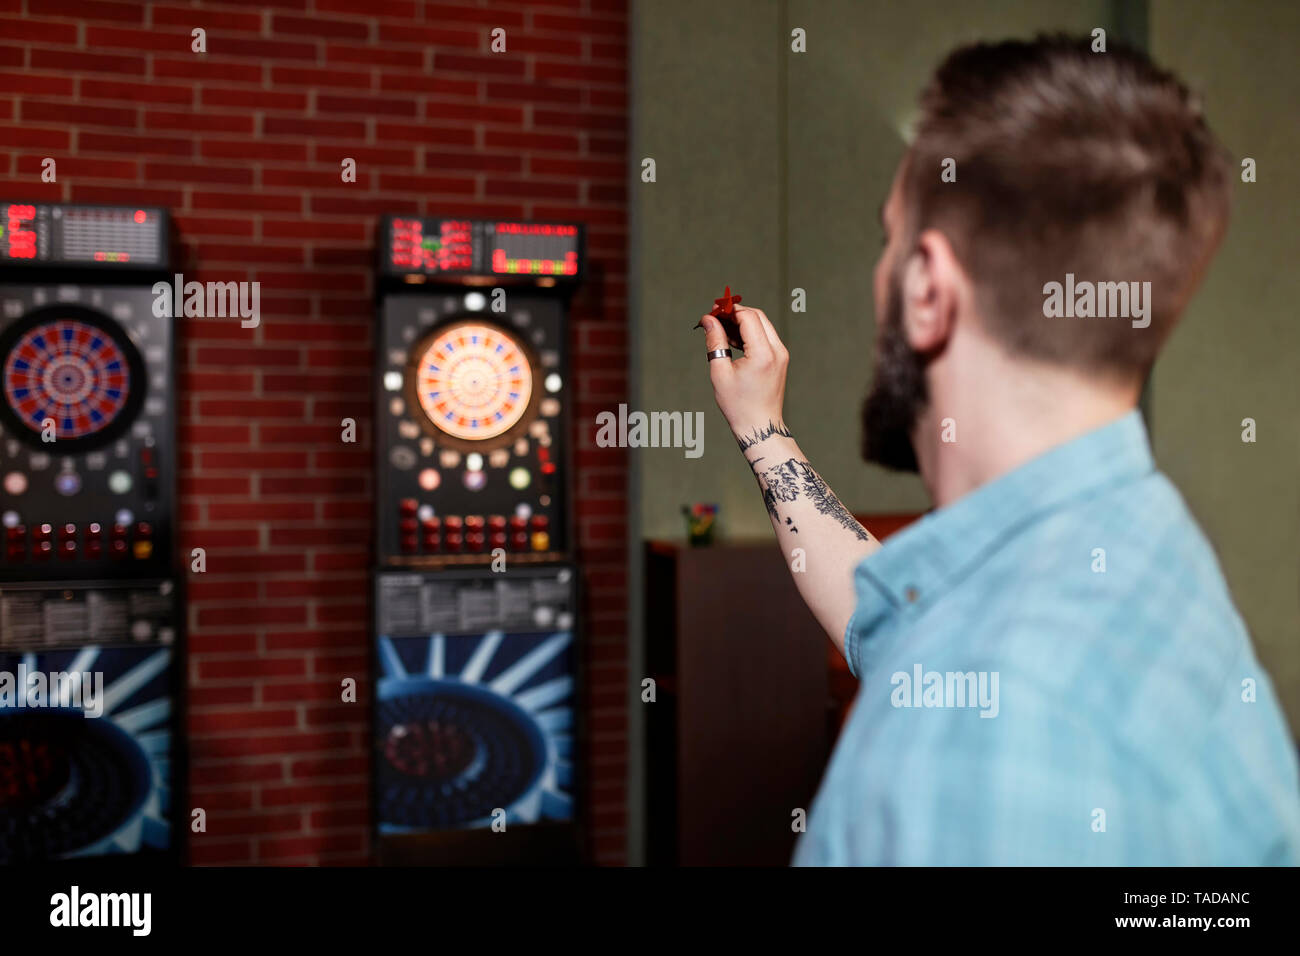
column 47, row 540
column 470, row 533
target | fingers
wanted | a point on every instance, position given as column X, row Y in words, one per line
column 774, row 340
column 715, row 337
column 757, row 344
column 778, row 346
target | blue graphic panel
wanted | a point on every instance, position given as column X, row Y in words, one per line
column 84, row 765
column 470, row 724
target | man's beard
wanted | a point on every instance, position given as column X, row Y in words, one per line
column 898, row 393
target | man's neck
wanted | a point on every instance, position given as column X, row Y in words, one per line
column 1005, row 423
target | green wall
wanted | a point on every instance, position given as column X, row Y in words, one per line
column 770, row 168
column 1237, row 354
column 708, row 88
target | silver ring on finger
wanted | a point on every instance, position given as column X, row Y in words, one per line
column 719, row 354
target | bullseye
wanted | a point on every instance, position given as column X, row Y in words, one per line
column 69, row 380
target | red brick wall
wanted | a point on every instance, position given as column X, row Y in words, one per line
column 243, row 144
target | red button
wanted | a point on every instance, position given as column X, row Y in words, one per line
column 408, row 526
column 475, row 540
column 519, row 541
column 67, row 531
column 408, row 507
column 409, row 544
column 497, row 539
column 453, row 541
column 518, row 523
column 497, row 523
column 43, row 532
column 68, row 550
column 17, row 552
column 452, row 523
column 16, row 533
column 540, row 522
column 431, row 525
column 433, row 542
column 143, row 530
column 42, row 550
column 94, row 548
column 118, row 550
column 119, row 531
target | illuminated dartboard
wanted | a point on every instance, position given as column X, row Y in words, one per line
column 75, row 368
column 474, row 383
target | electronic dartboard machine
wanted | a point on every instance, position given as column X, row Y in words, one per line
column 90, row 615
column 475, row 591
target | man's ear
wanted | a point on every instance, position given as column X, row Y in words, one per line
column 933, row 286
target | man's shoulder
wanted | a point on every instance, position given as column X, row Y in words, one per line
column 1127, row 571
column 1128, row 530
column 1112, row 608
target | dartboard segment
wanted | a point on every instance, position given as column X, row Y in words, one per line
column 473, row 381
column 68, row 371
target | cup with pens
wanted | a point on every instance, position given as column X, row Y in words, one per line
column 700, row 522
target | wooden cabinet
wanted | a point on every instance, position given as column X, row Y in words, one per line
column 751, row 695
column 736, row 740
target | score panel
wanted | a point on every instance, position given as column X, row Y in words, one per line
column 459, row 248
column 59, row 236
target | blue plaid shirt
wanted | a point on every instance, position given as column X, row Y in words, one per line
column 1053, row 672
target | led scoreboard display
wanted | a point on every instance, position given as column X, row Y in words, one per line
column 59, row 236
column 463, row 247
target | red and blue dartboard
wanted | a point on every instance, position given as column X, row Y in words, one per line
column 75, row 367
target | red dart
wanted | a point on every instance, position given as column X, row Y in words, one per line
column 726, row 305
column 724, row 310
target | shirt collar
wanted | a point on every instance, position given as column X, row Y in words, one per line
column 923, row 560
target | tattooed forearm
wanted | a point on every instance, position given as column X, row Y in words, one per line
column 757, row 435
column 794, row 479
column 769, row 502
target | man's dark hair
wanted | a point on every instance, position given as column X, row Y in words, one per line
column 1068, row 161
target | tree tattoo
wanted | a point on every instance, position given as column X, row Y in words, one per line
column 794, row 479
column 757, row 435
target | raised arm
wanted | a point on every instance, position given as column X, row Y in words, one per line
column 805, row 512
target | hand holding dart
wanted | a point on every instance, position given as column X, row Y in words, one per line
column 724, row 310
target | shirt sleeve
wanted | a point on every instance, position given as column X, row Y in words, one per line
column 850, row 644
